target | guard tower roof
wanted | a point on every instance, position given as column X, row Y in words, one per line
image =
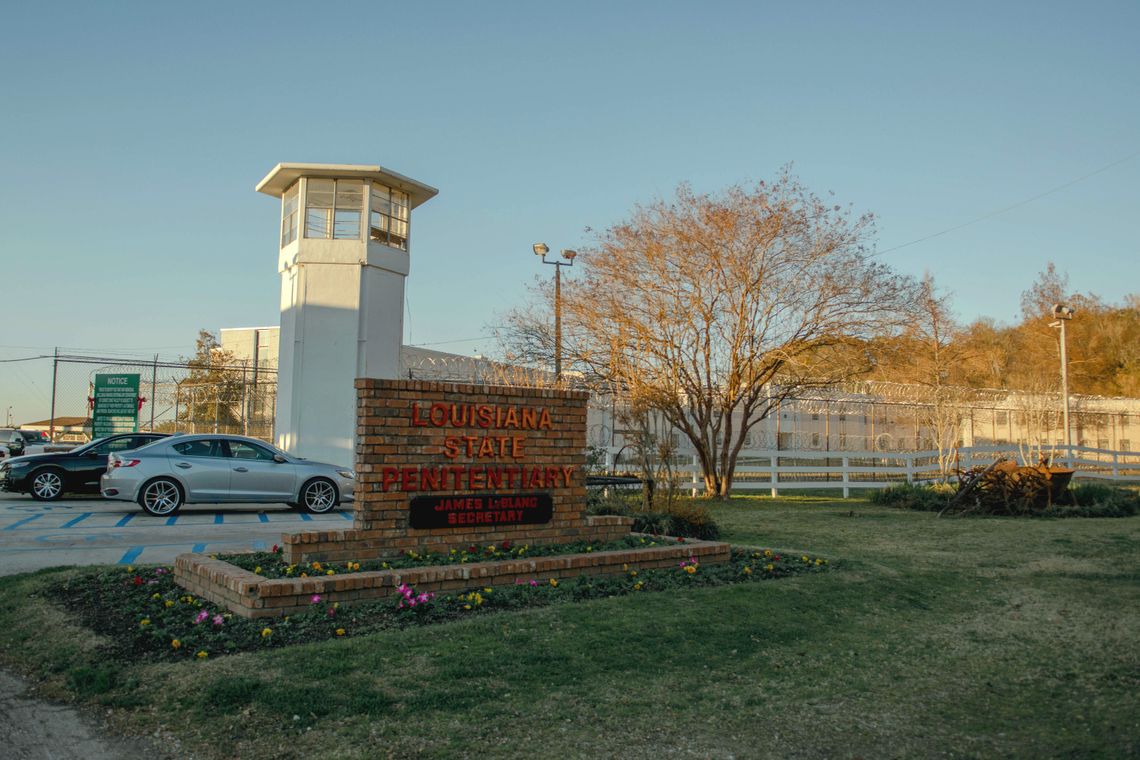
column 282, row 176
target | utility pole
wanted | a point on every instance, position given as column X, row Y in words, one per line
column 1061, row 315
column 54, row 377
column 153, row 390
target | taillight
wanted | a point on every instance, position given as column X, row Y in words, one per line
column 116, row 462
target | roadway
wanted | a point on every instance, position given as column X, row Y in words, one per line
column 92, row 531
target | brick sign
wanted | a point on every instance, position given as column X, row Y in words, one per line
column 440, row 465
column 478, row 448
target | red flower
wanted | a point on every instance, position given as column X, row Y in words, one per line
column 138, row 581
column 276, row 549
column 506, row 545
column 680, row 540
column 776, row 558
column 471, row 549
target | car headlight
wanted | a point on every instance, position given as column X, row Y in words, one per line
column 347, row 474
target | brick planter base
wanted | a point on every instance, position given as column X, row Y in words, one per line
column 252, row 596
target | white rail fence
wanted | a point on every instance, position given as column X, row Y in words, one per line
column 775, row 471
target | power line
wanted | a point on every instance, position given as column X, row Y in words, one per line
column 1019, row 204
column 25, row 359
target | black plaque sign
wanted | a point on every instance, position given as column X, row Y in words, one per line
column 484, row 510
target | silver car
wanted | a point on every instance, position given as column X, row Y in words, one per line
column 212, row 468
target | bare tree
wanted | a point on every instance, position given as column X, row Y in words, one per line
column 711, row 309
column 937, row 356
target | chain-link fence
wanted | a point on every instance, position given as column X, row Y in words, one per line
column 194, row 396
column 186, row 396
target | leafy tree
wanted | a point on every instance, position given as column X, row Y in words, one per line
column 712, row 308
column 210, row 396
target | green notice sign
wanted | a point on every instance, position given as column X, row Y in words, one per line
column 116, row 405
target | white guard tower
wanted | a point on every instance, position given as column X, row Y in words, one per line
column 343, row 260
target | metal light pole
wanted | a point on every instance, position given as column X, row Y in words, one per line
column 541, row 249
column 1061, row 315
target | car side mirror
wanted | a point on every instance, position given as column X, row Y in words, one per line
column 279, row 459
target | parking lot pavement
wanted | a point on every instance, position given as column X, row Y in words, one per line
column 92, row 531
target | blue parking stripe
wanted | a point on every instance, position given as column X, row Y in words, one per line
column 125, row 520
column 259, row 546
column 346, row 515
column 131, row 555
column 218, row 519
column 305, row 517
column 25, row 521
column 199, row 549
column 72, row 523
column 263, row 517
column 172, row 519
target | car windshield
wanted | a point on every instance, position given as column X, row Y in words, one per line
column 35, row 436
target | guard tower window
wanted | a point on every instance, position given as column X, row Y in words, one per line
column 290, row 214
column 388, row 222
column 332, row 209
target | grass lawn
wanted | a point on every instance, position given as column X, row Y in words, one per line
column 929, row 637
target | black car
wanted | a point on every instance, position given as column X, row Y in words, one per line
column 48, row 477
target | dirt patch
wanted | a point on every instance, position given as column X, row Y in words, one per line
column 34, row 729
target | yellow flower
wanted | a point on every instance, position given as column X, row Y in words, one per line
column 257, row 569
column 330, row 572
column 156, row 596
column 266, row 632
column 176, row 644
column 769, row 567
column 202, row 655
column 315, row 565
column 144, row 622
column 589, row 548
column 637, row 586
column 625, row 567
column 767, row 552
column 554, row 583
column 130, row 568
column 168, row 603
column 339, row 631
column 747, row 570
column 818, row 562
column 805, row 558
column 632, row 573
column 690, row 569
column 289, row 570
column 467, row 606
column 490, row 547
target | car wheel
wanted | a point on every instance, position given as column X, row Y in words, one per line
column 318, row 496
column 160, row 497
column 47, row 485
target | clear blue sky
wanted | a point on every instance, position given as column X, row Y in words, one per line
column 133, row 134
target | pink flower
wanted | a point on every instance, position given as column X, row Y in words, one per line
column 316, row 599
column 202, row 615
column 218, row 620
column 533, row 582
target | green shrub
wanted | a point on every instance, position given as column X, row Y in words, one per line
column 930, row 498
column 1096, row 500
column 687, row 518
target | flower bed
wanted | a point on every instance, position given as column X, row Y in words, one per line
column 271, row 564
column 145, row 615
